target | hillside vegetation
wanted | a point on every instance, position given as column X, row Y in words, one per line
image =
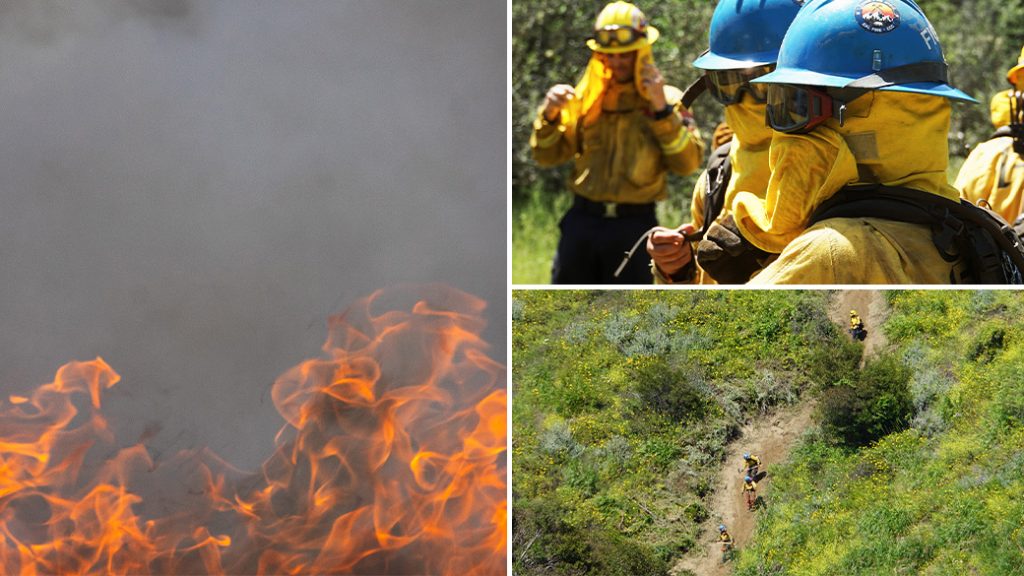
column 623, row 403
column 942, row 496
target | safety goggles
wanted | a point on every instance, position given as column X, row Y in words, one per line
column 798, row 109
column 613, row 36
column 728, row 86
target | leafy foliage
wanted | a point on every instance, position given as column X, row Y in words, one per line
column 623, row 404
column 939, row 497
column 677, row 394
column 867, row 405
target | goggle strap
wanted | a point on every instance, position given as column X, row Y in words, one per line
column 693, row 91
column 612, row 35
column 906, row 74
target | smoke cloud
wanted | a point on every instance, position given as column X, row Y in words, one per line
column 189, row 189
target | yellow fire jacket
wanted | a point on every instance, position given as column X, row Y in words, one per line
column 859, row 251
column 995, row 173
column 625, row 154
column 750, row 172
column 893, row 138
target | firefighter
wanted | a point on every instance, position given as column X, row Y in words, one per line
column 749, row 491
column 625, row 129
column 751, row 463
column 744, row 43
column 859, row 97
column 726, row 540
column 994, row 171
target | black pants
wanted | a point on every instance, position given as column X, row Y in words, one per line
column 592, row 246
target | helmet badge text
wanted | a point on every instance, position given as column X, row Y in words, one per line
column 877, row 16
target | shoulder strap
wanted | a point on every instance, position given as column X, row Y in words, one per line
column 719, row 172
column 991, row 249
column 1000, row 132
column 1015, row 131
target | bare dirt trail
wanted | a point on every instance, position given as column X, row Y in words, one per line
column 771, row 438
column 873, row 310
column 768, row 437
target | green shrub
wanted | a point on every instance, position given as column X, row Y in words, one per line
column 612, row 554
column 557, row 440
column 772, row 391
column 518, row 309
column 674, row 393
column 988, row 342
column 581, row 476
column 837, row 359
column 619, row 329
column 696, row 512
column 874, row 403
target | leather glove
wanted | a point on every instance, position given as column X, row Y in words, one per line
column 728, row 257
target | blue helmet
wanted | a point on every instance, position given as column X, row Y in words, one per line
column 721, row 527
column 746, row 455
column 868, row 44
column 748, row 479
column 747, row 34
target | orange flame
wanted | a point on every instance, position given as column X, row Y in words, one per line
column 391, row 461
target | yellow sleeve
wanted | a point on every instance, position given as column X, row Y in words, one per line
column 553, row 143
column 859, row 251
column 697, row 219
column 682, row 146
column 697, row 201
column 975, row 179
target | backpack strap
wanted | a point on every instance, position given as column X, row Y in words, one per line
column 1015, row 131
column 1000, row 132
column 719, row 172
column 991, row 249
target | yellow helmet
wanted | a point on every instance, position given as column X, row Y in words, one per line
column 1014, row 75
column 621, row 27
column 853, row 312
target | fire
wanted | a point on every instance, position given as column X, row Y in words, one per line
column 390, row 461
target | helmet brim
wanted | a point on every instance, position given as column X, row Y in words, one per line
column 1013, row 73
column 712, row 61
column 811, row 78
column 652, row 36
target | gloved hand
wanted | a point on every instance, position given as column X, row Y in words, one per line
column 723, row 133
column 671, row 253
column 727, row 256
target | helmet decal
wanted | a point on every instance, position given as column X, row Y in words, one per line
column 877, row 16
column 639, row 22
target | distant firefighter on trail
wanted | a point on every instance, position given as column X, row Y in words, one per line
column 749, row 492
column 857, row 330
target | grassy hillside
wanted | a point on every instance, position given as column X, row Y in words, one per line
column 943, row 496
column 622, row 404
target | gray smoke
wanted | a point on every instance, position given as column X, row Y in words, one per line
column 190, row 188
